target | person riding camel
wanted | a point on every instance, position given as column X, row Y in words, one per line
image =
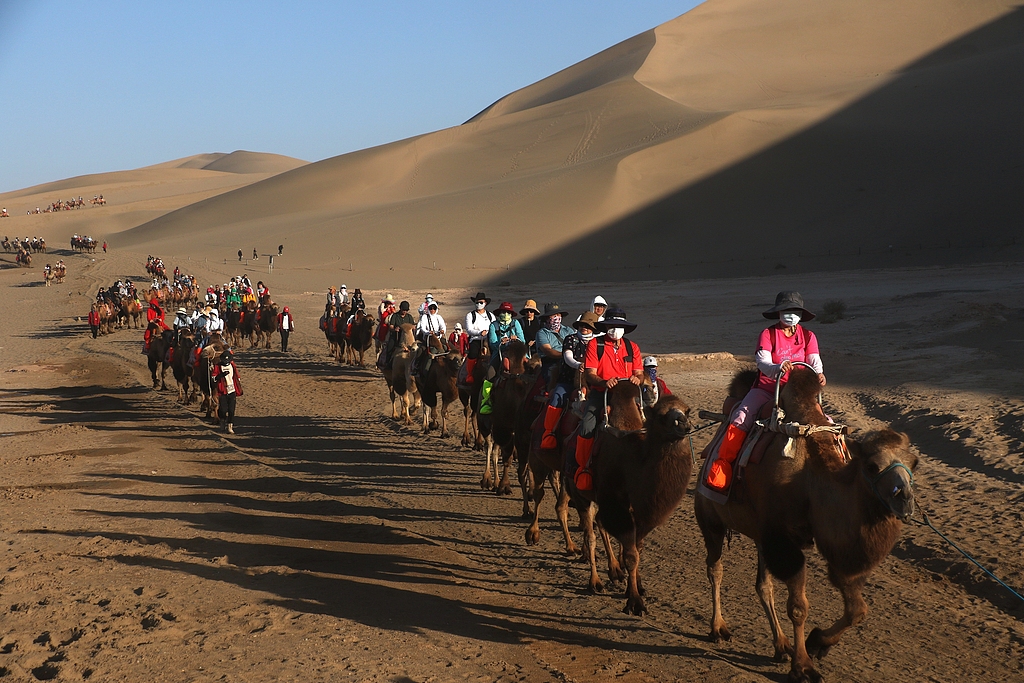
column 530, row 322
column 477, row 325
column 426, row 302
column 431, row 324
column 261, row 291
column 502, row 332
column 778, row 347
column 651, row 368
column 395, row 322
column 181, row 320
column 573, row 350
column 549, row 339
column 608, row 359
column 341, row 297
column 459, row 340
column 153, row 314
column 384, row 313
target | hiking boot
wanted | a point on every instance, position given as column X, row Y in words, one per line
column 231, row 428
column 552, row 415
column 583, row 478
column 485, row 398
column 720, row 472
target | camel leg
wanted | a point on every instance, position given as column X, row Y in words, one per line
column 537, row 493
column 394, row 407
column 766, row 592
column 819, row 642
column 587, row 515
column 525, row 477
column 405, row 403
column 466, row 413
column 562, row 512
column 504, row 488
column 487, row 481
column 631, row 559
column 802, row 670
column 615, row 572
column 426, row 419
column 714, row 542
column 444, row 416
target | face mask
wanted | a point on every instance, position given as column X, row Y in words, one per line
column 616, row 333
column 586, row 336
column 652, row 372
column 481, row 305
column 505, row 318
column 789, row 319
column 554, row 323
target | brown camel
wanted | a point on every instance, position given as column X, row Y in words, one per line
column 439, row 377
column 398, row 374
column 359, row 337
column 470, row 398
column 180, row 368
column 499, row 428
column 266, row 322
column 810, row 494
column 130, row 311
column 203, row 374
column 157, row 355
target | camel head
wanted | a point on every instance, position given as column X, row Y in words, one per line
column 886, row 465
column 669, row 418
column 514, row 358
column 799, row 398
column 407, row 336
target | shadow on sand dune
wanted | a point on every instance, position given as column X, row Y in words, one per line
column 923, row 171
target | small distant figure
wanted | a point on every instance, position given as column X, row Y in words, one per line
column 239, row 255
column 280, row 247
column 4, row 214
column 271, row 261
column 104, row 246
column 255, row 254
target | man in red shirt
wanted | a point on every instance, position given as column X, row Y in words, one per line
column 609, row 359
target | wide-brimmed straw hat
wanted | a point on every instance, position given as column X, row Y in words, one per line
column 588, row 319
column 530, row 305
column 480, row 296
column 181, row 311
column 389, row 298
column 788, row 301
column 506, row 307
column 550, row 310
column 614, row 317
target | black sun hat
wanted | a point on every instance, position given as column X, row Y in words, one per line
column 226, row 357
column 788, row 301
column 480, row 296
column 551, row 309
column 614, row 317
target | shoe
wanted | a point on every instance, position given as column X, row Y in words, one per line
column 551, row 417
column 231, row 428
column 485, row 398
column 583, row 478
column 720, row 472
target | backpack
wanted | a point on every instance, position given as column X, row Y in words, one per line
column 630, row 346
column 490, row 316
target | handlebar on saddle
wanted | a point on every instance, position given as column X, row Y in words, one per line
column 715, row 417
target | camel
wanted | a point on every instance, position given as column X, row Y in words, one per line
column 398, row 374
column 804, row 492
column 499, row 428
column 23, row 259
column 440, row 377
column 359, row 337
column 108, row 318
column 470, row 398
column 179, row 363
column 202, row 374
column 131, row 309
column 48, row 277
column 157, row 355
column 266, row 323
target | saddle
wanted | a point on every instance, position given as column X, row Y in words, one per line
column 752, row 450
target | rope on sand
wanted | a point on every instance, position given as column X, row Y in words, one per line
column 927, row 522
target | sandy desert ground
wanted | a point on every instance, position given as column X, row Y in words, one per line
column 866, row 151
column 326, row 542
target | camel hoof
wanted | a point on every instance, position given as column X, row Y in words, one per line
column 815, row 644
column 527, row 514
column 720, row 634
column 485, row 484
column 532, row 536
column 505, row 490
column 635, row 606
column 808, row 675
column 617, row 575
column 445, row 435
column 596, row 587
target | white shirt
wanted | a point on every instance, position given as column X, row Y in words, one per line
column 430, row 322
column 477, row 329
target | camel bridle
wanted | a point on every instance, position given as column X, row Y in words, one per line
column 873, row 485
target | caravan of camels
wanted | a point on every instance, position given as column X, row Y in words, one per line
column 575, row 404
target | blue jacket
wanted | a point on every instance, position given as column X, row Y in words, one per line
column 497, row 331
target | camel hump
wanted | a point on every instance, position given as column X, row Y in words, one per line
column 742, row 382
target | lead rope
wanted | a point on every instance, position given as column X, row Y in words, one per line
column 925, row 521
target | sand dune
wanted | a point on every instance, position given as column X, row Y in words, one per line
column 738, row 138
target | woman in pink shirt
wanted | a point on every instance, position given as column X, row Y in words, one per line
column 778, row 347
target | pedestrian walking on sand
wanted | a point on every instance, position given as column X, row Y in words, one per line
column 285, row 325
column 104, row 246
column 255, row 254
column 229, row 388
column 271, row 261
column 280, row 249
column 94, row 320
column 239, row 255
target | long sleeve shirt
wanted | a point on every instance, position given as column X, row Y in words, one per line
column 430, row 323
column 478, row 324
column 498, row 331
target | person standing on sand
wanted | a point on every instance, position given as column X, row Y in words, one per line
column 280, row 250
column 285, row 325
column 229, row 388
column 104, row 246
column 94, row 320
column 239, row 255
column 255, row 254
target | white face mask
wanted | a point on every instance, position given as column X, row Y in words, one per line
column 789, row 318
column 586, row 336
column 481, row 305
column 616, row 332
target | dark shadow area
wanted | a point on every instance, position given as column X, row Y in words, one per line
column 925, row 170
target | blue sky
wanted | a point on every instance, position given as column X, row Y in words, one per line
column 103, row 86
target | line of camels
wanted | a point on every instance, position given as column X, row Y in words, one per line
column 818, row 486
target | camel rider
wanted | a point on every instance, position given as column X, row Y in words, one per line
column 778, row 347
column 477, row 325
column 154, row 314
column 458, row 340
column 181, row 321
column 599, row 306
column 427, row 300
column 609, row 358
column 574, row 349
column 431, row 324
column 550, row 338
column 261, row 291
column 502, row 332
column 530, row 322
column 384, row 313
column 395, row 322
column 341, row 297
column 651, row 369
